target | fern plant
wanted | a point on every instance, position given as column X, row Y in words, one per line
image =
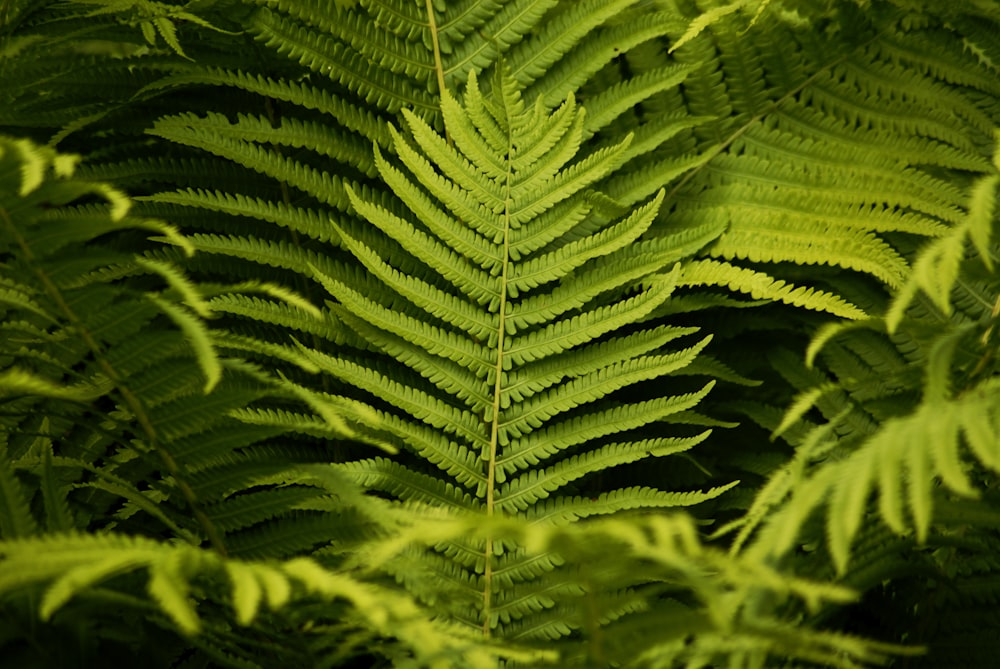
column 521, row 336
column 919, row 436
column 462, row 274
column 109, row 383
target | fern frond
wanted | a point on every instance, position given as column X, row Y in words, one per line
column 526, row 490
column 16, row 519
column 759, row 285
column 405, row 483
column 348, row 115
column 69, row 566
column 192, row 132
column 543, row 345
column 899, row 462
column 338, row 61
column 481, row 236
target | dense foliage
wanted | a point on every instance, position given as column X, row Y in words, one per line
column 522, row 333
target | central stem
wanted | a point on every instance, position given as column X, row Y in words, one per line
column 438, row 64
column 491, row 464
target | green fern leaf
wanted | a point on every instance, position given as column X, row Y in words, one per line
column 168, row 585
column 759, row 285
column 57, row 510
column 82, row 571
column 899, row 462
column 334, row 107
column 248, row 593
column 15, row 514
column 199, row 339
column 511, row 328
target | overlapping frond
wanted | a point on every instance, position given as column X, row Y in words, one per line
column 79, row 567
column 825, row 159
column 506, row 389
column 109, row 362
column 941, row 325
